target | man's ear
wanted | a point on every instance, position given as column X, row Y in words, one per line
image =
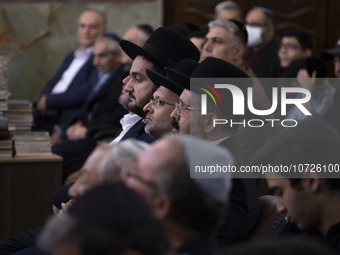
column 238, row 52
column 312, row 181
column 307, row 53
column 208, row 122
column 161, row 206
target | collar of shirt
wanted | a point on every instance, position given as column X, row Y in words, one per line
column 81, row 53
column 129, row 120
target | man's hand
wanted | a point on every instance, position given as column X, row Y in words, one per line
column 76, row 132
column 64, row 207
column 55, row 138
column 41, row 105
column 305, row 80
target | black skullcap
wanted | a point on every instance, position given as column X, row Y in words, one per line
column 112, row 36
column 146, row 28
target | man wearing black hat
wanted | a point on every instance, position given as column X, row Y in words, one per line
column 165, row 48
column 244, row 207
column 158, row 120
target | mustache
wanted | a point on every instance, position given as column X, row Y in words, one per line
column 174, row 123
column 131, row 95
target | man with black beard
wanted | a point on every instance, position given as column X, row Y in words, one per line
column 156, row 54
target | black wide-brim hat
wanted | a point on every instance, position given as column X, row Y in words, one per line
column 331, row 53
column 217, row 68
column 175, row 84
column 165, row 47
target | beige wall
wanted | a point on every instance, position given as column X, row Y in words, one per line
column 38, row 36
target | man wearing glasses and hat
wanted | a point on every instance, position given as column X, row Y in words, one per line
column 244, row 207
column 165, row 48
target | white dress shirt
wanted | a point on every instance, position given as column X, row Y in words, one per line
column 80, row 58
column 127, row 122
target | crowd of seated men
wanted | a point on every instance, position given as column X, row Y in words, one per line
column 127, row 117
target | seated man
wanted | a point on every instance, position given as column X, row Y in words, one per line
column 156, row 54
column 190, row 208
column 103, row 166
column 228, row 10
column 101, row 110
column 294, row 45
column 64, row 95
column 309, row 194
column 261, row 53
column 244, row 209
column 113, row 227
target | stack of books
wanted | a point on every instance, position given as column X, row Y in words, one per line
column 6, row 143
column 19, row 114
column 31, row 143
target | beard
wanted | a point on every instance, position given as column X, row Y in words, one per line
column 196, row 129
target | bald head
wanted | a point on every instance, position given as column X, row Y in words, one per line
column 136, row 36
column 91, row 24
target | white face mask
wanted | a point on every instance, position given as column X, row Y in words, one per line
column 254, row 36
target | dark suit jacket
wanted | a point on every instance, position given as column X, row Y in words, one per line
column 70, row 103
column 266, row 63
column 102, row 110
column 244, row 206
column 137, row 131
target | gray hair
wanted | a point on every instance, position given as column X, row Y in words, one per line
column 235, row 34
column 229, row 5
column 113, row 45
column 56, row 231
column 121, row 156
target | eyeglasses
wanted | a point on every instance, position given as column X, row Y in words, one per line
column 288, row 46
column 180, row 107
column 151, row 185
column 157, row 102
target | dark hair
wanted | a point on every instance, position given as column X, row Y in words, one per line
column 92, row 240
column 313, row 141
column 304, row 39
column 198, row 34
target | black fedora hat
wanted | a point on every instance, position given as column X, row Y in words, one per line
column 329, row 54
column 217, row 68
column 165, row 47
column 184, row 67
